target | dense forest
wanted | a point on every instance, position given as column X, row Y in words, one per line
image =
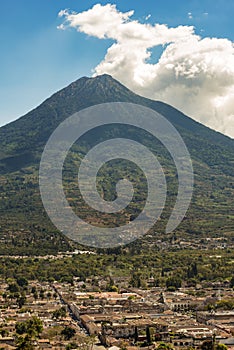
column 169, row 269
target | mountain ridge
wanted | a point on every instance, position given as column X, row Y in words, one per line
column 80, row 84
column 33, row 129
column 87, row 86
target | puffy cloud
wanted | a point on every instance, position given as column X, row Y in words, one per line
column 100, row 21
column 193, row 74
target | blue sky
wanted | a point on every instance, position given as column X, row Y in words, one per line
column 37, row 59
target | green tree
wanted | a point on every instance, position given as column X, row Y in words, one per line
column 71, row 346
column 68, row 332
column 136, row 334
column 164, row 346
column 192, row 270
column 173, row 281
column 33, row 290
column 21, row 301
column 13, row 288
column 60, row 313
column 24, row 343
column 136, row 280
column 42, row 294
column 22, row 281
column 221, row 347
column 32, row 327
column 4, row 332
column 148, row 336
column 35, row 295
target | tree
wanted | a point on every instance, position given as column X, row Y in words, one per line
column 35, row 296
column 13, row 288
column 221, row 347
column 113, row 289
column 42, row 294
column 68, row 332
column 27, row 331
column 207, row 345
column 21, row 301
column 136, row 280
column 136, row 334
column 173, row 281
column 60, row 313
column 22, row 282
column 24, row 343
column 164, row 346
column 192, row 270
column 32, row 327
column 71, row 346
column 33, row 290
column 5, row 332
column 148, row 335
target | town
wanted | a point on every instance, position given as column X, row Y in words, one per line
column 98, row 313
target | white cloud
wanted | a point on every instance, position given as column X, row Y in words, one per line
column 100, row 21
column 190, row 15
column 193, row 74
